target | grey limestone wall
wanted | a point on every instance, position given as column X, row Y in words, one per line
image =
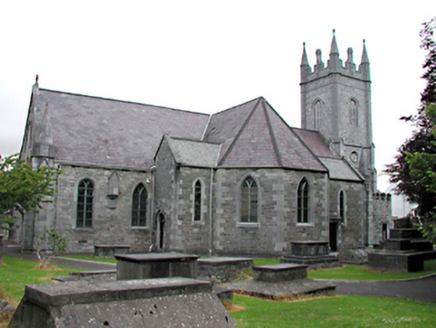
column 335, row 93
column 111, row 222
column 165, row 191
column 382, row 209
column 194, row 235
column 277, row 224
column 351, row 233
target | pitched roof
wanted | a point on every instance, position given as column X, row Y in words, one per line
column 112, row 133
column 106, row 132
column 194, row 153
column 263, row 140
column 315, row 141
column 339, row 169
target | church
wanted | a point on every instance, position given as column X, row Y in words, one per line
column 238, row 182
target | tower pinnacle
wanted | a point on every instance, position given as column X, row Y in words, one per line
column 334, row 46
column 364, row 54
column 304, row 61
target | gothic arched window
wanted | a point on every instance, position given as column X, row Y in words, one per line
column 139, row 206
column 85, row 197
column 353, row 113
column 303, row 202
column 317, row 114
column 249, row 197
column 198, row 193
column 342, row 205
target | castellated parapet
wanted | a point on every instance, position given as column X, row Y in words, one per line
column 335, row 65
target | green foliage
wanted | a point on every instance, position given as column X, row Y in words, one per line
column 341, row 311
column 23, row 188
column 414, row 168
column 50, row 244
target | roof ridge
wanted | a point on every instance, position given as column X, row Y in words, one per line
column 122, row 101
column 308, row 148
column 195, row 140
column 244, row 103
column 206, row 127
column 272, row 135
column 236, row 138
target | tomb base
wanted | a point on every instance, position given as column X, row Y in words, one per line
column 167, row 302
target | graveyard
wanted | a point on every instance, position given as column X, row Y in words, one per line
column 81, row 295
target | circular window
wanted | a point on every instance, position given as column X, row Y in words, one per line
column 354, row 157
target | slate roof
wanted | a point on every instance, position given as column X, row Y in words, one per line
column 106, row 132
column 194, row 153
column 339, row 169
column 111, row 133
column 315, row 141
column 258, row 137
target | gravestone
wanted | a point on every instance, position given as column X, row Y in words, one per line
column 280, row 272
column 404, row 251
column 311, row 253
column 167, row 302
column 156, row 265
column 222, row 269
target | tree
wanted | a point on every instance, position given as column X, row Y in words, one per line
column 407, row 171
column 422, row 167
column 49, row 245
column 22, row 188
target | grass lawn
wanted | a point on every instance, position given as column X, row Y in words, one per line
column 346, row 272
column 358, row 272
column 91, row 258
column 339, row 311
column 16, row 273
column 361, row 272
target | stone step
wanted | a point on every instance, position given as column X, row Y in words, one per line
column 396, row 261
column 398, row 244
column 404, row 233
column 421, row 244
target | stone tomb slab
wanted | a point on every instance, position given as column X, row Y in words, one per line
column 282, row 290
column 280, row 272
column 156, row 265
column 222, row 269
column 398, row 261
column 110, row 250
column 312, row 253
column 167, row 302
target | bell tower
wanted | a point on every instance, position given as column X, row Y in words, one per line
column 336, row 101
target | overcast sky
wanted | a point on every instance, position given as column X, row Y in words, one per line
column 208, row 56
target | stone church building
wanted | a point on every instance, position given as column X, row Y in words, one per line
column 238, row 182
